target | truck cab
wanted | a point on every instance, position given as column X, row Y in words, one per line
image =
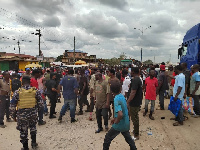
column 190, row 49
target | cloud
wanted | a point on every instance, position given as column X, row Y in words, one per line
column 99, row 24
column 51, row 21
column 119, row 4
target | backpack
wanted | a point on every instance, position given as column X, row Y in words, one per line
column 15, row 84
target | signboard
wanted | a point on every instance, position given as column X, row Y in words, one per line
column 40, row 57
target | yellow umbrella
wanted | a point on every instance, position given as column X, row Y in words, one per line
column 80, row 62
column 33, row 66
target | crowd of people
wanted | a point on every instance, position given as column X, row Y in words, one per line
column 113, row 92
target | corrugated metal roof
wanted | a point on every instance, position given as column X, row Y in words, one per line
column 77, row 51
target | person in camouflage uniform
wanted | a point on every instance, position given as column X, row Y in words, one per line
column 27, row 108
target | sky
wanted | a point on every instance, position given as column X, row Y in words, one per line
column 106, row 28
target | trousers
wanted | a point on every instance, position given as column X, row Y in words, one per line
column 99, row 113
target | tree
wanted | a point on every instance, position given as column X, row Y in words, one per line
column 59, row 58
column 148, row 62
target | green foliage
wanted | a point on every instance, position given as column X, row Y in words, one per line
column 148, row 62
column 59, row 58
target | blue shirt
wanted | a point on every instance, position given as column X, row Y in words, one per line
column 69, row 84
column 195, row 78
column 120, row 105
column 179, row 81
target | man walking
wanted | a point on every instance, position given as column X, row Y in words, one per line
column 70, row 92
column 102, row 91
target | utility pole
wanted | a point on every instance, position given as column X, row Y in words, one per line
column 74, row 49
column 18, row 46
column 39, row 34
column 141, row 54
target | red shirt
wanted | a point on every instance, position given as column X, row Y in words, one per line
column 151, row 85
column 34, row 83
column 173, row 80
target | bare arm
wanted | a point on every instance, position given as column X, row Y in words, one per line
column 196, row 88
column 132, row 95
column 178, row 92
column 119, row 117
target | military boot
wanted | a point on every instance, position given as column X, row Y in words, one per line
column 25, row 146
column 33, row 142
column 144, row 114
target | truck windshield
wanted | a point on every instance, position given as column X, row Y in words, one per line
column 184, row 50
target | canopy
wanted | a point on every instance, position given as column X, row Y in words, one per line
column 33, row 66
column 80, row 62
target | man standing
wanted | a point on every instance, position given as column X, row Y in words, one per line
column 70, row 92
column 84, row 91
column 135, row 100
column 4, row 98
column 186, row 72
column 151, row 83
column 51, row 94
column 92, row 92
column 170, row 74
column 195, row 89
column 126, row 83
column 178, row 92
column 162, row 86
column 102, row 91
column 28, row 100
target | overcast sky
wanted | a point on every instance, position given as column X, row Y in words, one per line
column 101, row 27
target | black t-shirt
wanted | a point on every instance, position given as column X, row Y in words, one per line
column 81, row 84
column 58, row 77
column 136, row 84
column 49, row 85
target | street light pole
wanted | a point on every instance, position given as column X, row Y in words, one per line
column 142, row 31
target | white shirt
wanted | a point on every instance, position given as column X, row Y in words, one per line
column 125, row 86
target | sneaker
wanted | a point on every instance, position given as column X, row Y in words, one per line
column 73, row 120
column 2, row 126
column 106, row 128
column 34, row 145
column 60, row 119
column 46, row 113
column 55, row 113
column 42, row 123
column 99, row 130
column 80, row 113
column 151, row 117
column 195, row 116
column 178, row 124
column 144, row 114
column 51, row 117
column 135, row 138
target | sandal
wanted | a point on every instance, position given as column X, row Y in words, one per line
column 172, row 118
column 185, row 118
column 177, row 123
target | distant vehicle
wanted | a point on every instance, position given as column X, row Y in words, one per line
column 126, row 62
column 190, row 49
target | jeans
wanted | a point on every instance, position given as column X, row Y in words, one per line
column 102, row 112
column 112, row 133
column 40, row 114
column 180, row 114
column 69, row 104
column 196, row 105
column 161, row 99
column 152, row 105
column 45, row 107
column 135, row 119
